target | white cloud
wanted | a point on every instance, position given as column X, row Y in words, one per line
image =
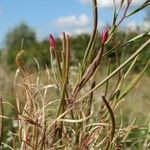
column 132, row 26
column 109, row 3
column 85, row 1
column 72, row 21
column 146, row 26
column 74, row 25
column 104, row 3
column 79, row 31
column 137, row 26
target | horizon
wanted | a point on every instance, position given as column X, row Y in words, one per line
column 57, row 16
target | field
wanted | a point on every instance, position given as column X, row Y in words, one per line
column 77, row 92
column 135, row 106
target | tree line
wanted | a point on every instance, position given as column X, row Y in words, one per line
column 24, row 37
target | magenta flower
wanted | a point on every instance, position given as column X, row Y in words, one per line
column 51, row 41
column 104, row 35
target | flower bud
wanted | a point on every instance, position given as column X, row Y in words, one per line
column 104, row 35
column 51, row 41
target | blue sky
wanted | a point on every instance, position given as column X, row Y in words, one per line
column 55, row 16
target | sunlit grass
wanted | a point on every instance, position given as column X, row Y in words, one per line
column 92, row 104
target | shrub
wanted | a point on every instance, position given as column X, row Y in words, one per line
column 64, row 109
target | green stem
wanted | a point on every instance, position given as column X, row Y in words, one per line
column 118, row 69
column 107, row 78
column 95, row 22
column 89, row 72
column 112, row 133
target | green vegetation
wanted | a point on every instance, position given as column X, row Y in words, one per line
column 23, row 37
column 76, row 92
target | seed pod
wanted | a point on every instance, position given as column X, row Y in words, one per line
column 51, row 41
column 104, row 35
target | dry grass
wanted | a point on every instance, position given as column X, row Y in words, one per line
column 78, row 107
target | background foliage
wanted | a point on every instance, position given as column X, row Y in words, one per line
column 40, row 50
